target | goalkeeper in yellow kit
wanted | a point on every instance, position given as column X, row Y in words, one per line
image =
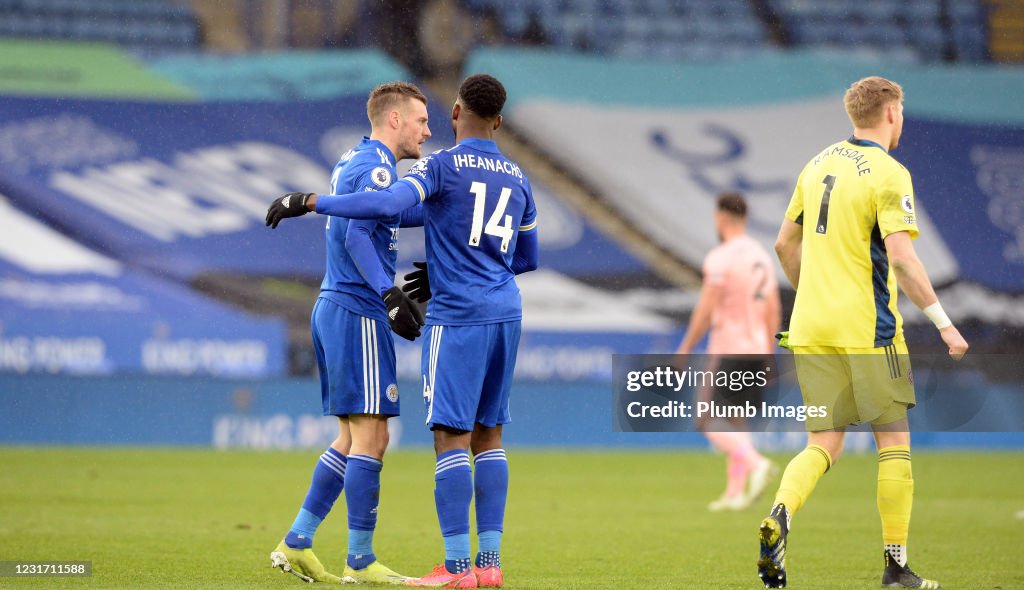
column 845, row 245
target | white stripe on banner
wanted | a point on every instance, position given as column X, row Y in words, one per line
column 375, row 400
column 366, row 369
column 452, row 459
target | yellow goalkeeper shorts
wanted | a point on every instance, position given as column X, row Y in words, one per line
column 855, row 385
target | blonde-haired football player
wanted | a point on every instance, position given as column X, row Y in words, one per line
column 845, row 245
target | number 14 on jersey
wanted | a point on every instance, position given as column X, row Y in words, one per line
column 499, row 224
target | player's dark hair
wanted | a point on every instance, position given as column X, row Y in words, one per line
column 483, row 94
column 733, row 204
column 388, row 96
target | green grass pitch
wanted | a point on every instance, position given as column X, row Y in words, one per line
column 618, row 519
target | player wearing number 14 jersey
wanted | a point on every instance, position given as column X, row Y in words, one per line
column 480, row 224
column 480, row 230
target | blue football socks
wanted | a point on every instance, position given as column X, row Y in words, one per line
column 491, row 490
column 328, row 481
column 362, row 493
column 453, row 493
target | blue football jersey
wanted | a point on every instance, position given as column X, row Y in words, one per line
column 475, row 203
column 370, row 166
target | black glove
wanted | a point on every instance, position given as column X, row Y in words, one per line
column 403, row 315
column 418, row 285
column 290, row 205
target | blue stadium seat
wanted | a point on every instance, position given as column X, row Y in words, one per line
column 879, row 10
column 922, row 10
column 899, row 27
column 965, row 11
column 662, row 9
column 930, row 39
column 970, row 44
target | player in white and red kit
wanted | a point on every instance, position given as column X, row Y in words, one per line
column 739, row 303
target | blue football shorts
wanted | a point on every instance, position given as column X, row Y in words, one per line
column 467, row 374
column 356, row 358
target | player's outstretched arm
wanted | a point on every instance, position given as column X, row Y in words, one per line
column 914, row 282
column 366, row 205
column 788, row 247
column 362, row 205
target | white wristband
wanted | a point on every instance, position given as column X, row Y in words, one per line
column 935, row 313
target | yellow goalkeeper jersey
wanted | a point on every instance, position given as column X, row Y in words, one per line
column 848, row 199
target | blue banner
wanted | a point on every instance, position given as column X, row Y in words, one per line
column 285, row 414
column 182, row 189
column 179, row 188
column 971, row 180
column 67, row 309
column 88, row 324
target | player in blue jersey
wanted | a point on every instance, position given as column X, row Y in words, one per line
column 354, row 350
column 480, row 229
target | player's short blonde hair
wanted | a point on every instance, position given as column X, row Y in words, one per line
column 386, row 97
column 867, row 98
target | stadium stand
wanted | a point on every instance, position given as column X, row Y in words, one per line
column 919, row 30
column 693, row 29
column 671, row 147
column 145, row 25
column 926, row 30
column 628, row 117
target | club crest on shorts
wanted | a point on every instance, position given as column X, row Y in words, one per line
column 392, row 392
column 381, row 176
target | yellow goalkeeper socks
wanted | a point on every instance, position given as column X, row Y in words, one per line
column 800, row 477
column 895, row 498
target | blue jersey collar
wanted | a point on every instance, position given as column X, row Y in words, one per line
column 374, row 143
column 866, row 143
column 483, row 145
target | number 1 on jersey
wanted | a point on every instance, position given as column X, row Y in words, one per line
column 829, row 182
column 496, row 226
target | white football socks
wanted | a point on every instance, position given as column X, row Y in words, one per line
column 898, row 552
